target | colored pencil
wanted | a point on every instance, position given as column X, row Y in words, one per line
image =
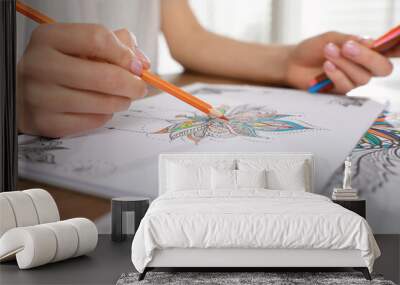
column 33, row 14
column 146, row 75
column 390, row 40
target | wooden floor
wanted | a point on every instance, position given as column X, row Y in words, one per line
column 72, row 204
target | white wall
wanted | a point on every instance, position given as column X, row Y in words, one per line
column 361, row 17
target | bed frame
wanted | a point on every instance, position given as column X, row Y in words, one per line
column 236, row 259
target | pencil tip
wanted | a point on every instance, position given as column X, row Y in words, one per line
column 214, row 113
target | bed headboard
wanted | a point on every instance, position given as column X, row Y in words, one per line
column 165, row 158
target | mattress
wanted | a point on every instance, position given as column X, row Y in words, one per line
column 251, row 219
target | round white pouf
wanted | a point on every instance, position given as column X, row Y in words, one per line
column 23, row 208
column 67, row 240
column 7, row 218
column 37, row 245
column 45, row 205
column 87, row 233
column 33, row 246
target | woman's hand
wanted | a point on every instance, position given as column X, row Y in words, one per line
column 73, row 77
column 347, row 60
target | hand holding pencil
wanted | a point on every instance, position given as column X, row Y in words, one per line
column 73, row 77
column 77, row 75
column 62, row 91
column 387, row 44
column 347, row 60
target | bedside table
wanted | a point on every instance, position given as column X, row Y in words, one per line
column 127, row 212
column 356, row 206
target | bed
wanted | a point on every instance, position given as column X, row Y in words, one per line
column 247, row 210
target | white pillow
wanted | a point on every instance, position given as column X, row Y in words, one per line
column 282, row 174
column 292, row 179
column 251, row 178
column 223, row 179
column 226, row 179
column 193, row 174
column 182, row 178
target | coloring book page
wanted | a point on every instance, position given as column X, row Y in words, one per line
column 121, row 158
column 376, row 173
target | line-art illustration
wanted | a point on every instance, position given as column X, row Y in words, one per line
column 40, row 150
column 347, row 101
column 214, row 90
column 382, row 134
column 91, row 168
column 376, row 158
column 45, row 151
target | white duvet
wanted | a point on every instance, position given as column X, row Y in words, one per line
column 250, row 219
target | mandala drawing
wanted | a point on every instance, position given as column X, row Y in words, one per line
column 384, row 133
column 244, row 121
column 40, row 150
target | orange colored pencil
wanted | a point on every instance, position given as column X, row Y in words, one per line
column 33, row 14
column 146, row 75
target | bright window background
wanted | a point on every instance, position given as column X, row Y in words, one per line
column 288, row 21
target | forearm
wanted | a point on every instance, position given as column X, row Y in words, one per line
column 217, row 55
column 202, row 51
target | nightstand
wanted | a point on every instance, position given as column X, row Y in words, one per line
column 127, row 212
column 356, row 206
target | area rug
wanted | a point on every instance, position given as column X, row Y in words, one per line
column 244, row 278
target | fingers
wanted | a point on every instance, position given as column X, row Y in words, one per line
column 65, row 100
column 127, row 38
column 354, row 64
column 130, row 41
column 357, row 74
column 64, row 124
column 88, row 40
column 371, row 60
column 100, row 77
column 74, row 77
column 342, row 83
column 83, row 74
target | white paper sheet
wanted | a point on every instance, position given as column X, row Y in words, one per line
column 121, row 158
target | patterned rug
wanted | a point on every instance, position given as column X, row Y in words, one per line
column 243, row 278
